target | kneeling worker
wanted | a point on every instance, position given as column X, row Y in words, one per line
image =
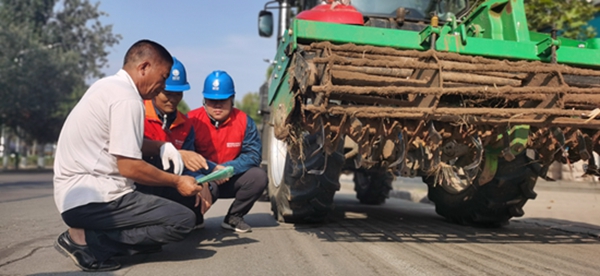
column 165, row 123
column 229, row 137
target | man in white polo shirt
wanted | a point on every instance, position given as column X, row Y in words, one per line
column 99, row 156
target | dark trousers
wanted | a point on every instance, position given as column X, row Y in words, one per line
column 133, row 223
column 246, row 188
column 173, row 195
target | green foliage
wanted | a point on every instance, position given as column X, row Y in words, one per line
column 77, row 28
column 249, row 104
column 570, row 17
column 269, row 71
column 48, row 49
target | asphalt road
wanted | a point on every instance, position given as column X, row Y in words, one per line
column 557, row 236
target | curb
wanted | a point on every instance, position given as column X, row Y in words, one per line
column 26, row 170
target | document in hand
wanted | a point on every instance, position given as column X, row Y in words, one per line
column 227, row 172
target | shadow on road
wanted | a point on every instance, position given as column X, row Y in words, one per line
column 185, row 250
column 202, row 243
column 407, row 222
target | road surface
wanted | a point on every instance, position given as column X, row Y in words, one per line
column 401, row 237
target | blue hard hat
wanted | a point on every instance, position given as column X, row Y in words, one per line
column 177, row 81
column 218, row 86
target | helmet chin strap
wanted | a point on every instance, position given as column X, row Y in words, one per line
column 215, row 122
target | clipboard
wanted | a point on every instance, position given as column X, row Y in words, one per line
column 225, row 173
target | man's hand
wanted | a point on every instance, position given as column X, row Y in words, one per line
column 168, row 152
column 220, row 181
column 193, row 161
column 187, row 186
column 204, row 198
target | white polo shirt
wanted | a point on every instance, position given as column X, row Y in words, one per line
column 107, row 121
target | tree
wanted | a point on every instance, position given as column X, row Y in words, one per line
column 570, row 17
column 48, row 49
column 249, row 104
column 77, row 28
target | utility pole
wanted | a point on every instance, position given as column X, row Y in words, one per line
column 3, row 149
column 17, row 150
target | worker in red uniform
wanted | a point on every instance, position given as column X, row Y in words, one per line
column 164, row 122
column 228, row 137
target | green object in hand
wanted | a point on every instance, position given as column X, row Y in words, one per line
column 227, row 172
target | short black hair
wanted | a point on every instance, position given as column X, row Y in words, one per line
column 146, row 48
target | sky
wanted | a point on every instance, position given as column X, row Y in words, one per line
column 204, row 35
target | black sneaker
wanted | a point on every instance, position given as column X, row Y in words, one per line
column 236, row 224
column 81, row 255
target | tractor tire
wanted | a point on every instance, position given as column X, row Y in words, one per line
column 296, row 194
column 372, row 187
column 492, row 204
column 264, row 133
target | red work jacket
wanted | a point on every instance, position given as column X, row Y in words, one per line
column 220, row 144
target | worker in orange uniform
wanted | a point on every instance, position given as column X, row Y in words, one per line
column 164, row 122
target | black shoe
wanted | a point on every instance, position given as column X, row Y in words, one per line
column 81, row 255
column 236, row 224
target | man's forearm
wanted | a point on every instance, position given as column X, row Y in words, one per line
column 144, row 173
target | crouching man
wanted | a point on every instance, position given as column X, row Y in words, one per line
column 98, row 158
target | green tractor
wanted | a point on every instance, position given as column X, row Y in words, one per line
column 466, row 98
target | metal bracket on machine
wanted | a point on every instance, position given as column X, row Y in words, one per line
column 592, row 168
column 426, row 33
column 544, row 47
column 411, row 171
column 321, row 143
column 305, row 73
column 461, row 30
column 583, row 152
column 402, row 156
column 431, row 32
column 471, row 170
column 559, row 136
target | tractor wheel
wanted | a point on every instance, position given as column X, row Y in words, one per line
column 491, row 204
column 302, row 189
column 372, row 187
